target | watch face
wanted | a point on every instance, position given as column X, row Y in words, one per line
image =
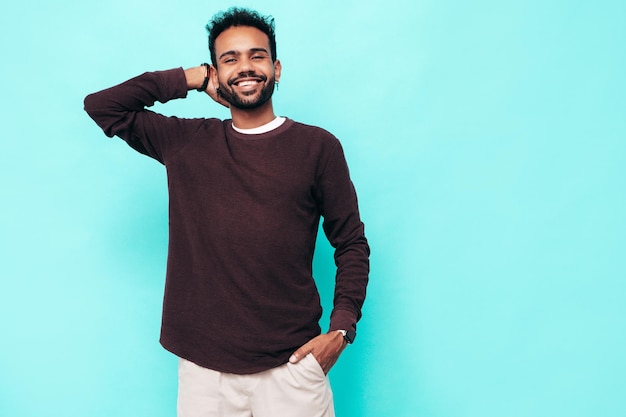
column 350, row 336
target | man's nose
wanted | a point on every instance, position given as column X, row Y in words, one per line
column 245, row 65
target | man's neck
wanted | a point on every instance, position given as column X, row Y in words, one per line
column 251, row 118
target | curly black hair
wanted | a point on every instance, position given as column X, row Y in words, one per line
column 240, row 17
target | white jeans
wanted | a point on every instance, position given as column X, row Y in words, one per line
column 290, row 390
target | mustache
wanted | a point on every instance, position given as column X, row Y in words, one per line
column 244, row 75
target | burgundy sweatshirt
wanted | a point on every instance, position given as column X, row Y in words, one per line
column 244, row 212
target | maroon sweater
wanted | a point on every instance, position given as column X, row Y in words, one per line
column 244, row 212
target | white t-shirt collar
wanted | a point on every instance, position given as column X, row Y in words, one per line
column 277, row 122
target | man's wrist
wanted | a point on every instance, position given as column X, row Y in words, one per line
column 348, row 335
column 196, row 76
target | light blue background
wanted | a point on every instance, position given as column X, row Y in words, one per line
column 486, row 139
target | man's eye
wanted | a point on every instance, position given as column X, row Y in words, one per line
column 257, row 57
column 229, row 60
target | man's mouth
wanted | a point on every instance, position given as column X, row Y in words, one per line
column 247, row 81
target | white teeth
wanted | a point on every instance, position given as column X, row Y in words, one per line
column 246, row 83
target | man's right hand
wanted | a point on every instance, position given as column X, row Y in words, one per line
column 195, row 78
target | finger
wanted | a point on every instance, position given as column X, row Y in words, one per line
column 300, row 353
column 212, row 88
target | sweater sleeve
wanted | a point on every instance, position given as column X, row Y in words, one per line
column 345, row 232
column 121, row 111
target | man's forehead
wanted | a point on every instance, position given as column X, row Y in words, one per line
column 241, row 38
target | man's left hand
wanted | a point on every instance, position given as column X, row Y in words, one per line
column 326, row 349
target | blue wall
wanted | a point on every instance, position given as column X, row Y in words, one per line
column 487, row 141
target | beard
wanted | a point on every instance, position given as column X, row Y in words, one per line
column 250, row 101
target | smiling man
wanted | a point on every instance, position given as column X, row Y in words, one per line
column 241, row 309
column 247, row 71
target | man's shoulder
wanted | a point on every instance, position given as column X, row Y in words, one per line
column 314, row 132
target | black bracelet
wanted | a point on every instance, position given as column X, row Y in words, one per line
column 205, row 84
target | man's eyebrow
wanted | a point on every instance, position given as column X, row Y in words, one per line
column 259, row 50
column 228, row 53
column 233, row 52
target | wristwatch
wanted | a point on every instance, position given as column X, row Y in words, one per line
column 348, row 335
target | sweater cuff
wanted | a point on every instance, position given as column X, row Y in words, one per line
column 174, row 83
column 342, row 320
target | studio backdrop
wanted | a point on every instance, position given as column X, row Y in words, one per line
column 486, row 141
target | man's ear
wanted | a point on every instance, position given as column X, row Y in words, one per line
column 277, row 69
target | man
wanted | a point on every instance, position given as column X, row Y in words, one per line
column 241, row 308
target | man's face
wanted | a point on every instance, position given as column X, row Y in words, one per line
column 245, row 71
